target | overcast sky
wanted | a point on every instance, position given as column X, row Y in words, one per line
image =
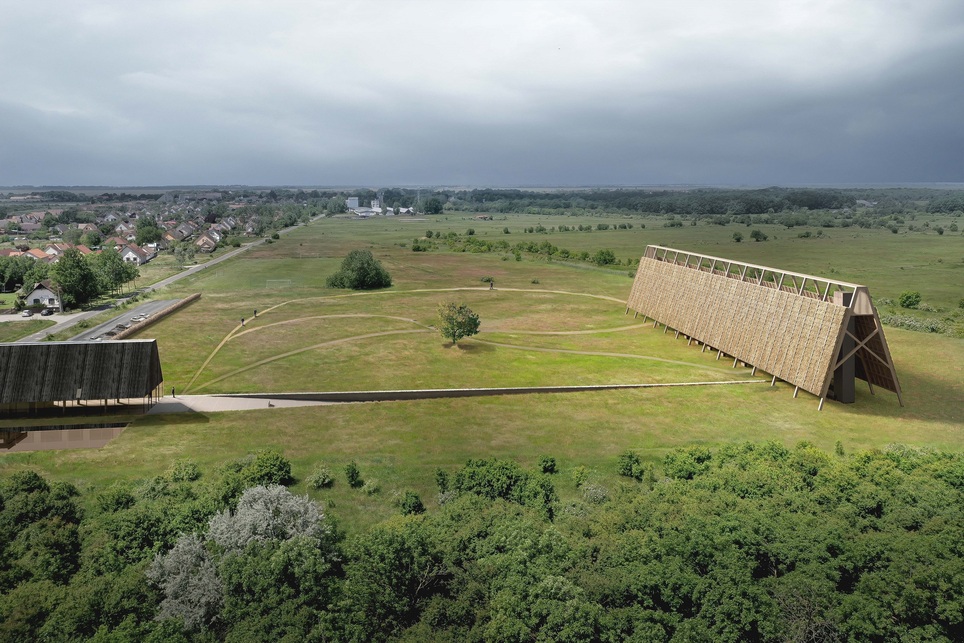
column 457, row 92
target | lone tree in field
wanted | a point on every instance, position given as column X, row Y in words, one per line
column 360, row 271
column 456, row 321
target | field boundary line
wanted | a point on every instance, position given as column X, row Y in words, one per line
column 436, row 393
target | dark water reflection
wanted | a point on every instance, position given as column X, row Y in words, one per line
column 46, row 438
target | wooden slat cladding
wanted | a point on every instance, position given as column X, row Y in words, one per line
column 780, row 330
column 55, row 371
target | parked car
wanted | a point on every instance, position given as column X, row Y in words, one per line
column 27, row 313
column 46, row 312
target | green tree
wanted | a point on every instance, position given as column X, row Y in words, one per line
column 757, row 235
column 147, row 231
column 75, row 279
column 183, row 252
column 738, row 236
column 92, row 239
column 336, row 205
column 393, row 570
column 113, row 271
column 360, row 271
column 456, row 321
column 433, row 206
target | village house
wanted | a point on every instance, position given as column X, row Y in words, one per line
column 43, row 294
column 39, row 255
column 132, row 253
column 208, row 241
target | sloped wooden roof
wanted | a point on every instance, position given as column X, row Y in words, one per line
column 56, row 371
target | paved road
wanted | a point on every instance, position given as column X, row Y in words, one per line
column 145, row 309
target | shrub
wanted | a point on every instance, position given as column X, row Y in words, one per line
column 267, row 513
column 114, row 499
column 909, row 299
column 604, row 257
column 595, row 494
column 534, row 281
column 275, row 236
column 183, row 471
column 547, row 464
column 757, row 235
column 687, row 462
column 487, row 280
column 411, row 504
column 266, row 468
column 470, row 232
column 630, row 465
column 321, row 478
column 442, row 480
column 371, row 487
column 353, row 475
column 913, row 323
column 580, row 475
column 505, row 230
column 738, row 236
column 505, row 479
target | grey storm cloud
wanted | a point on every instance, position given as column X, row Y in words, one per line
column 481, row 93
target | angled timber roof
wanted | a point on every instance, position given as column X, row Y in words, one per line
column 789, row 324
column 37, row 372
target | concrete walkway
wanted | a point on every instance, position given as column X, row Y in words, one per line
column 218, row 403
column 252, row 401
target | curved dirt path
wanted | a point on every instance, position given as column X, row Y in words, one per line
column 238, row 332
column 305, row 349
column 539, row 349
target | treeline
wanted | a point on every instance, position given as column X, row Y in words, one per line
column 77, row 278
column 688, row 202
column 470, row 243
column 699, row 202
column 66, row 196
column 753, row 542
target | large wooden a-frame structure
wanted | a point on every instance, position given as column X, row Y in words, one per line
column 815, row 333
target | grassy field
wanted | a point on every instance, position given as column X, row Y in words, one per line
column 12, row 331
column 546, row 323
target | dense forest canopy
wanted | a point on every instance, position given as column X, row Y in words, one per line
column 752, row 542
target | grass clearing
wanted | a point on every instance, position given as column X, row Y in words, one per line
column 14, row 330
column 545, row 333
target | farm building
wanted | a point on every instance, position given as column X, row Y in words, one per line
column 36, row 375
column 817, row 334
